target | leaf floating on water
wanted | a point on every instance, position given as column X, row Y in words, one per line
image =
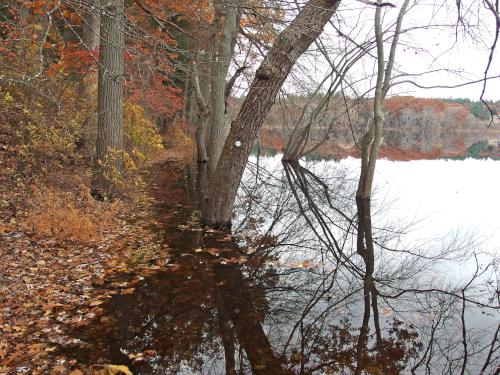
column 128, row 291
column 225, row 239
column 386, row 311
column 213, row 251
column 59, row 369
column 211, row 230
column 251, row 250
column 111, row 370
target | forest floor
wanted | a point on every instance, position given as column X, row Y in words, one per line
column 53, row 282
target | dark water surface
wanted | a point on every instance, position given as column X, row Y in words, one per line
column 283, row 294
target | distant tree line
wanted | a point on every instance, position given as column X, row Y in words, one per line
column 476, row 108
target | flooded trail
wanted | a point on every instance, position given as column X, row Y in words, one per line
column 185, row 317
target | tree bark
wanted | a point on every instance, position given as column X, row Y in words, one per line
column 91, row 27
column 269, row 78
column 228, row 20
column 109, row 143
column 90, row 40
column 203, row 117
column 185, row 98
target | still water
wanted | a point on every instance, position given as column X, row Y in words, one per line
column 283, row 294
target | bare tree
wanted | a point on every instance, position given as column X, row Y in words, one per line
column 318, row 119
column 369, row 153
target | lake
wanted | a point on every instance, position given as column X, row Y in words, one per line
column 439, row 197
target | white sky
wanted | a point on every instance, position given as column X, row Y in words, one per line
column 421, row 50
column 463, row 54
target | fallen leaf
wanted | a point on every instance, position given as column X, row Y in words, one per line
column 117, row 369
column 59, row 369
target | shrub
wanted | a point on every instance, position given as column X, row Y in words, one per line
column 57, row 215
column 142, row 140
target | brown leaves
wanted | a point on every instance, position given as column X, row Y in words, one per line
column 110, row 370
column 49, row 286
column 4, row 346
column 68, row 216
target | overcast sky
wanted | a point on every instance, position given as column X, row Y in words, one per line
column 456, row 58
column 467, row 55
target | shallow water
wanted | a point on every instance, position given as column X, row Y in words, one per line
column 284, row 294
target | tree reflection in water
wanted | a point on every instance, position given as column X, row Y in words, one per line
column 284, row 295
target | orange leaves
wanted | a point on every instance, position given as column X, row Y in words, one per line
column 4, row 346
column 396, row 104
column 158, row 96
column 180, row 144
column 190, row 10
column 64, row 217
column 49, row 285
column 456, row 111
column 110, row 370
column 75, row 60
column 260, row 23
column 37, row 7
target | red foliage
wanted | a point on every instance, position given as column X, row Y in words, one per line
column 157, row 95
column 272, row 140
column 396, row 104
column 76, row 60
column 458, row 111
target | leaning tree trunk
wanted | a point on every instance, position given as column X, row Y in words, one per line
column 227, row 14
column 269, row 78
column 109, row 143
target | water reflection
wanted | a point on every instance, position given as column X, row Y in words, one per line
column 284, row 295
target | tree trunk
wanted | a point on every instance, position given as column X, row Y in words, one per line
column 203, row 117
column 109, row 143
column 228, row 19
column 91, row 27
column 185, row 98
column 90, row 40
column 369, row 154
column 269, row 78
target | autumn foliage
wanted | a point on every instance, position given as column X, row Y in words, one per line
column 395, row 105
column 48, row 83
column 55, row 237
